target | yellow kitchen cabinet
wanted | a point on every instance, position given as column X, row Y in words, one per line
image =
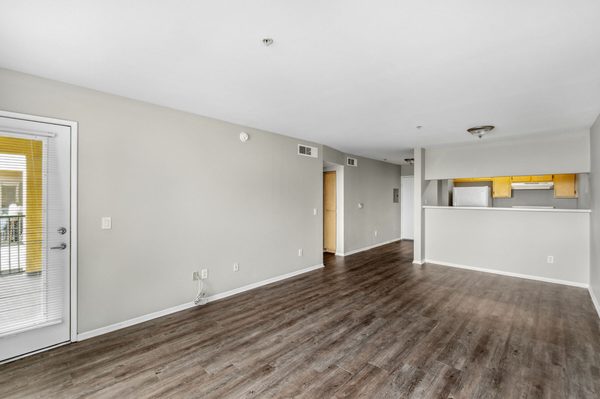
column 565, row 186
column 501, row 187
column 541, row 178
column 520, row 179
column 472, row 179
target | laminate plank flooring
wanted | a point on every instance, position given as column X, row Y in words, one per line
column 370, row 325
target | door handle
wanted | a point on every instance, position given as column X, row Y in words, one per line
column 61, row 246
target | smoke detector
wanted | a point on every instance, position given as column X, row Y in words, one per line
column 480, row 131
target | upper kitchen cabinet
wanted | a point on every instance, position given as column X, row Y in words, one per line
column 501, row 187
column 565, row 186
column 542, row 178
column 531, row 179
column 472, row 179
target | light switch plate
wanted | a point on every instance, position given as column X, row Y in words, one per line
column 106, row 223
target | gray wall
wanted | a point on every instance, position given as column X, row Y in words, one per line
column 511, row 241
column 334, row 156
column 184, row 193
column 370, row 183
column 534, row 155
column 408, row 170
column 595, row 216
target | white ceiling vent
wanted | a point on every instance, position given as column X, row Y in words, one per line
column 351, row 161
column 308, row 151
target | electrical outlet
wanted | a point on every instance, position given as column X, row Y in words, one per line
column 196, row 276
column 204, row 274
column 376, row 233
column 236, row 267
column 315, row 211
column 550, row 259
column 300, row 252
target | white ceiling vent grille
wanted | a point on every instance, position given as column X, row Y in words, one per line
column 308, row 151
column 351, row 161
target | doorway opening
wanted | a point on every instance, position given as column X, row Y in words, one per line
column 333, row 208
column 329, row 211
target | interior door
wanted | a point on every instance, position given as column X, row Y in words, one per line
column 329, row 212
column 407, row 189
column 35, row 236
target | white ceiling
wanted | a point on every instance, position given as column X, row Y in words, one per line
column 356, row 75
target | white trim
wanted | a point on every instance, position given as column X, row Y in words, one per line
column 595, row 300
column 134, row 321
column 355, row 251
column 510, row 274
column 488, row 208
column 271, row 280
column 74, row 224
column 178, row 308
column 418, row 262
column 73, row 126
column 339, row 207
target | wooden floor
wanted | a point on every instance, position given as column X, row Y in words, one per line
column 370, row 325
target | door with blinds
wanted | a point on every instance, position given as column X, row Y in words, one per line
column 35, row 236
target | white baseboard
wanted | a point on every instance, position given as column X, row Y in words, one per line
column 418, row 262
column 134, row 321
column 264, row 282
column 178, row 308
column 355, row 251
column 510, row 274
column 595, row 301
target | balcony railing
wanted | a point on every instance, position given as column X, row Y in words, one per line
column 12, row 247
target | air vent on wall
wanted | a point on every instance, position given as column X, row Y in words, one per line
column 308, row 151
column 351, row 161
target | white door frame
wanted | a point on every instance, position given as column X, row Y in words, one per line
column 74, row 167
column 339, row 204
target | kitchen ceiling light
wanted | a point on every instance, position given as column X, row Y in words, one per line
column 480, row 131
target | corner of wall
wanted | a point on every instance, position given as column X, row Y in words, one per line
column 594, row 186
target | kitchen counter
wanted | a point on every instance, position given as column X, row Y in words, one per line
column 477, row 208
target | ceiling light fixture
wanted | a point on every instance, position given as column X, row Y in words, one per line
column 409, row 161
column 267, row 41
column 480, row 131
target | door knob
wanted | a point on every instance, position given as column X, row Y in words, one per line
column 61, row 246
column 62, row 230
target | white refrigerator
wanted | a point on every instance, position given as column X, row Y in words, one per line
column 472, row 196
